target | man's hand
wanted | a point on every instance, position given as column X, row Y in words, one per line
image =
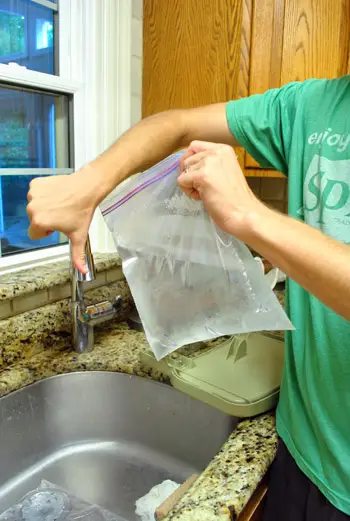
column 211, row 172
column 63, row 203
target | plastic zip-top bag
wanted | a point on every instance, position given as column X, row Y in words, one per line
column 190, row 280
column 49, row 502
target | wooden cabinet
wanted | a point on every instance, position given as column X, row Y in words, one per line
column 254, row 509
column 195, row 53
column 293, row 40
column 191, row 52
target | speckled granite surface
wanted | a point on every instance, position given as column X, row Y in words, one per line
column 221, row 492
column 22, row 336
column 46, row 276
column 117, row 348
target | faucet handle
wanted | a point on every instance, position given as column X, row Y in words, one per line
column 97, row 313
column 91, row 274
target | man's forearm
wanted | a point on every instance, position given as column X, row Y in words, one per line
column 140, row 147
column 156, row 137
column 318, row 263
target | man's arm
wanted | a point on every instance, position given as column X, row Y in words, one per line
column 67, row 203
column 320, row 264
column 158, row 136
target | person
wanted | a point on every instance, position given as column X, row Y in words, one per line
column 302, row 130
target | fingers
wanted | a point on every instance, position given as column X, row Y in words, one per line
column 191, row 174
column 205, row 165
column 192, row 193
column 199, row 150
column 78, row 242
column 183, row 159
column 195, row 160
column 37, row 229
column 36, row 232
column 195, row 148
column 186, row 182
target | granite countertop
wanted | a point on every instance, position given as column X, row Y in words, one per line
column 116, row 348
column 222, row 491
column 225, row 487
column 48, row 275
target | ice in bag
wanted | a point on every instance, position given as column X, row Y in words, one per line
column 190, row 280
column 48, row 502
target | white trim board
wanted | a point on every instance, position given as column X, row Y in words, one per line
column 35, row 171
column 31, row 259
column 108, row 87
column 21, row 76
column 46, row 3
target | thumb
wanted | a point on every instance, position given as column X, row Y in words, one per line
column 78, row 242
column 36, row 232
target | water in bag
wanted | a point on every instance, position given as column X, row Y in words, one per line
column 190, row 280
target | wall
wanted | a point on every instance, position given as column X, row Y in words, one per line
column 273, row 192
column 136, row 61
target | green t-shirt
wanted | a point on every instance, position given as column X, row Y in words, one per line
column 303, row 130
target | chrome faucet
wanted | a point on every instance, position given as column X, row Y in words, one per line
column 84, row 318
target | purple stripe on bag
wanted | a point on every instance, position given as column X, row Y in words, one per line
column 139, row 189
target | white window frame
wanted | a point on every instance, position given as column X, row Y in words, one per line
column 83, row 44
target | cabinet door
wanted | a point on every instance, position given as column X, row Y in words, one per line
column 191, row 53
column 195, row 53
column 293, row 40
column 315, row 39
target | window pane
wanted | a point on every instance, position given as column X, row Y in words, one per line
column 34, row 133
column 27, row 35
column 14, row 220
column 34, row 129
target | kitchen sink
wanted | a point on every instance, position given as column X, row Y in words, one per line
column 104, row 437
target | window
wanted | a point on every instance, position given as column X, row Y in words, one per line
column 36, row 117
column 44, row 34
column 34, row 141
column 27, row 31
column 65, row 96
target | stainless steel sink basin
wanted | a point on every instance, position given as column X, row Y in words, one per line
column 104, row 437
